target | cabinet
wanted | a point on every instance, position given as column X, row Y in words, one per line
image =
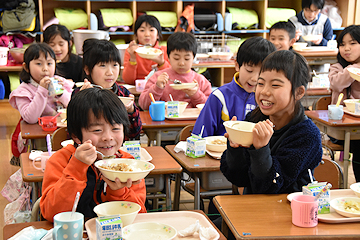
column 221, row 74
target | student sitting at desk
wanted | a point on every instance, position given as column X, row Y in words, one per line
column 285, row 142
column 181, row 49
column 342, row 82
column 311, row 22
column 96, row 121
column 33, row 98
column 237, row 97
column 282, row 35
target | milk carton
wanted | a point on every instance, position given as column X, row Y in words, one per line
column 173, row 109
column 55, row 88
column 133, row 147
column 109, row 228
column 195, row 146
column 324, row 201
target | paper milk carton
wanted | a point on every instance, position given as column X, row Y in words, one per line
column 109, row 228
column 55, row 88
column 324, row 201
column 195, row 146
column 133, row 147
column 173, row 109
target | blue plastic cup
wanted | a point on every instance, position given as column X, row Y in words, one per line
column 157, row 111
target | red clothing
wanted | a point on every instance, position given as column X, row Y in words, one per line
column 142, row 67
column 65, row 176
column 340, row 81
column 163, row 94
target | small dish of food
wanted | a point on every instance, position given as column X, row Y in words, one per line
column 148, row 52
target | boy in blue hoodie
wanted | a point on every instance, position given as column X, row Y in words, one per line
column 237, row 97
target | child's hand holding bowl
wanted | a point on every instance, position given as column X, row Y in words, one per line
column 117, row 184
column 190, row 92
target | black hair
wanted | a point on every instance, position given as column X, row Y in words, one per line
column 319, row 4
column 99, row 51
column 292, row 65
column 33, row 52
column 151, row 20
column 56, row 29
column 181, row 41
column 354, row 31
column 286, row 26
column 102, row 103
column 254, row 50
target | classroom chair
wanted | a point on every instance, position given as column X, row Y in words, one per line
column 322, row 104
column 60, row 134
column 329, row 171
column 36, row 212
column 190, row 186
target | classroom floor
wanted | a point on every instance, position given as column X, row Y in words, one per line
column 8, row 120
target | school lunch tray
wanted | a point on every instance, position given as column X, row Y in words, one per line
column 177, row 219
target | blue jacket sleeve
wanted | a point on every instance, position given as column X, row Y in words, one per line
column 327, row 34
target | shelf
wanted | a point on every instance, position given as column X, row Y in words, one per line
column 248, row 31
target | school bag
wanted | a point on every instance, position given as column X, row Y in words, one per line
column 186, row 20
column 115, row 17
column 244, row 18
column 21, row 18
column 71, row 18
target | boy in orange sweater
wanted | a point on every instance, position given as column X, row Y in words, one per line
column 96, row 120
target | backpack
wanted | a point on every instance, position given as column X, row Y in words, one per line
column 22, row 18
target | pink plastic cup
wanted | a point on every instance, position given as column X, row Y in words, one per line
column 304, row 211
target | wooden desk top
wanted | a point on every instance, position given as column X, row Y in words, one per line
column 204, row 164
column 317, row 91
column 32, row 131
column 322, row 116
column 163, row 161
column 148, row 123
column 268, row 216
column 315, row 53
column 14, row 68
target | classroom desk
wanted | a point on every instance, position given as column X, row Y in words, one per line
column 319, row 57
column 313, row 94
column 33, row 132
column 153, row 129
column 11, row 229
column 164, row 164
column 194, row 167
column 348, row 128
column 268, row 216
column 11, row 68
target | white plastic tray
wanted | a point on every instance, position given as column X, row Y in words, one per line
column 178, row 219
column 188, row 114
column 351, row 113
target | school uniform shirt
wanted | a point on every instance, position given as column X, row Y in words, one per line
column 282, row 165
column 162, row 94
column 65, row 175
column 72, row 69
column 134, row 117
column 342, row 82
column 223, row 103
column 321, row 24
column 142, row 67
column 33, row 101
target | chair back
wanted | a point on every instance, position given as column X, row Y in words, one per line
column 61, row 134
column 329, row 171
column 184, row 133
column 322, row 103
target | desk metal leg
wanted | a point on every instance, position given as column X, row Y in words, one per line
column 34, row 196
column 197, row 192
column 158, row 138
column 168, row 192
column 346, row 158
column 177, row 192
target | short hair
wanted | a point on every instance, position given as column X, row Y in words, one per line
column 254, row 50
column 293, row 65
column 33, row 52
column 151, row 20
column 286, row 26
column 319, row 4
column 354, row 31
column 181, row 41
column 99, row 51
column 56, row 29
column 102, row 103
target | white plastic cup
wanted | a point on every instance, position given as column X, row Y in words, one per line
column 335, row 113
column 3, row 55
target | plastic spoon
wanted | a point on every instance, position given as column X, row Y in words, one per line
column 55, row 116
column 75, row 204
column 171, row 98
column 339, row 99
column 152, row 97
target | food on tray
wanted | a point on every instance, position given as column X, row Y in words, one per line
column 123, row 167
column 352, row 206
column 218, row 142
